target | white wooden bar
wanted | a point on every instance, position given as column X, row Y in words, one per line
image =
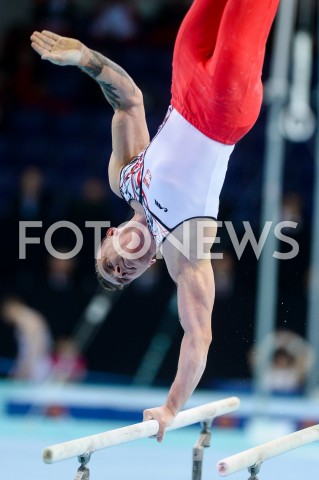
column 257, row 455
column 81, row 446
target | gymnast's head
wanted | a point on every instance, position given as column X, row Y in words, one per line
column 124, row 254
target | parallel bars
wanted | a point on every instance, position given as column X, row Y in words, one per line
column 92, row 443
column 255, row 456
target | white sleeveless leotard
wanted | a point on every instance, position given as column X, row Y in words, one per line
column 179, row 176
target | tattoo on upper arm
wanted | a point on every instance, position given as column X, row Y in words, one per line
column 94, row 69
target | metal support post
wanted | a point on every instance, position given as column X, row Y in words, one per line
column 83, row 472
column 254, row 470
column 198, row 450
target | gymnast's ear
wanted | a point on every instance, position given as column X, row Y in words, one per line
column 152, row 262
column 111, row 232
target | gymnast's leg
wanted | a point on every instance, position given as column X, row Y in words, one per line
column 224, row 96
column 195, row 43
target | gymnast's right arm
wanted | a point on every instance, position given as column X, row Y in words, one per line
column 129, row 130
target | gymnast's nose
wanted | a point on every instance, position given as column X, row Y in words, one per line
column 118, row 271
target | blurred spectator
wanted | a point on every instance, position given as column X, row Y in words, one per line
column 33, row 361
column 23, row 79
column 56, row 15
column 59, row 294
column 224, row 273
column 28, row 84
column 61, row 273
column 292, row 271
column 92, row 205
column 292, row 208
column 68, row 364
column 114, row 20
column 291, row 359
column 32, row 202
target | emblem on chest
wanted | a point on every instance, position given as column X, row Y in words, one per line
column 147, row 179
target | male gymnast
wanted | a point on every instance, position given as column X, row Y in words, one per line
column 173, row 183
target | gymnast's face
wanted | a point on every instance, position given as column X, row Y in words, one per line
column 122, row 256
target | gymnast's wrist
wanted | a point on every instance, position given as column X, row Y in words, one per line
column 171, row 408
column 85, row 56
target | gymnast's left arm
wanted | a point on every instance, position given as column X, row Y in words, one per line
column 129, row 129
column 195, row 290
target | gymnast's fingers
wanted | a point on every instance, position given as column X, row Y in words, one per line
column 148, row 416
column 40, row 50
column 42, row 40
column 50, row 35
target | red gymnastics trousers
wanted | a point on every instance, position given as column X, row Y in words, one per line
column 217, row 66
